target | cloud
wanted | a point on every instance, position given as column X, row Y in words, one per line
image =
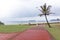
column 31, row 18
column 25, row 8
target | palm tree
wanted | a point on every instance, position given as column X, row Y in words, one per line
column 45, row 11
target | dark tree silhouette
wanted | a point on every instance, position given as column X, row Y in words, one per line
column 1, row 23
column 58, row 20
column 45, row 11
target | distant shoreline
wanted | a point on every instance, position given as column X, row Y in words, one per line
column 16, row 23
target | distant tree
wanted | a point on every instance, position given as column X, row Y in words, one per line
column 1, row 23
column 58, row 20
column 45, row 11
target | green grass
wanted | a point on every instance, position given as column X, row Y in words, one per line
column 13, row 28
column 55, row 30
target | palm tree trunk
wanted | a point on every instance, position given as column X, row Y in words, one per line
column 47, row 21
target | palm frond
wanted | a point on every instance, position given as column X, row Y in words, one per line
column 41, row 7
column 45, row 6
column 41, row 10
column 41, row 14
column 49, row 13
column 48, row 8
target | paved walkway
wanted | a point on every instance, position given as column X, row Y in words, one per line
column 6, row 36
column 37, row 33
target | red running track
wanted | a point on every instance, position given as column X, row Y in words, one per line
column 5, row 36
column 34, row 35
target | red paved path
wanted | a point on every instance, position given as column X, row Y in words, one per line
column 4, row 36
column 34, row 34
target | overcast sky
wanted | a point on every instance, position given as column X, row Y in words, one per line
column 26, row 8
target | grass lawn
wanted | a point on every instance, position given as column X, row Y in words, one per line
column 13, row 28
column 55, row 30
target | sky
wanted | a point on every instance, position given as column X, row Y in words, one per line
column 17, row 9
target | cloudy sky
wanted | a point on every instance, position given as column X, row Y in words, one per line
column 16, row 9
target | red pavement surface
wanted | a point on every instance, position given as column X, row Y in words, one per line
column 4, row 36
column 31, row 34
